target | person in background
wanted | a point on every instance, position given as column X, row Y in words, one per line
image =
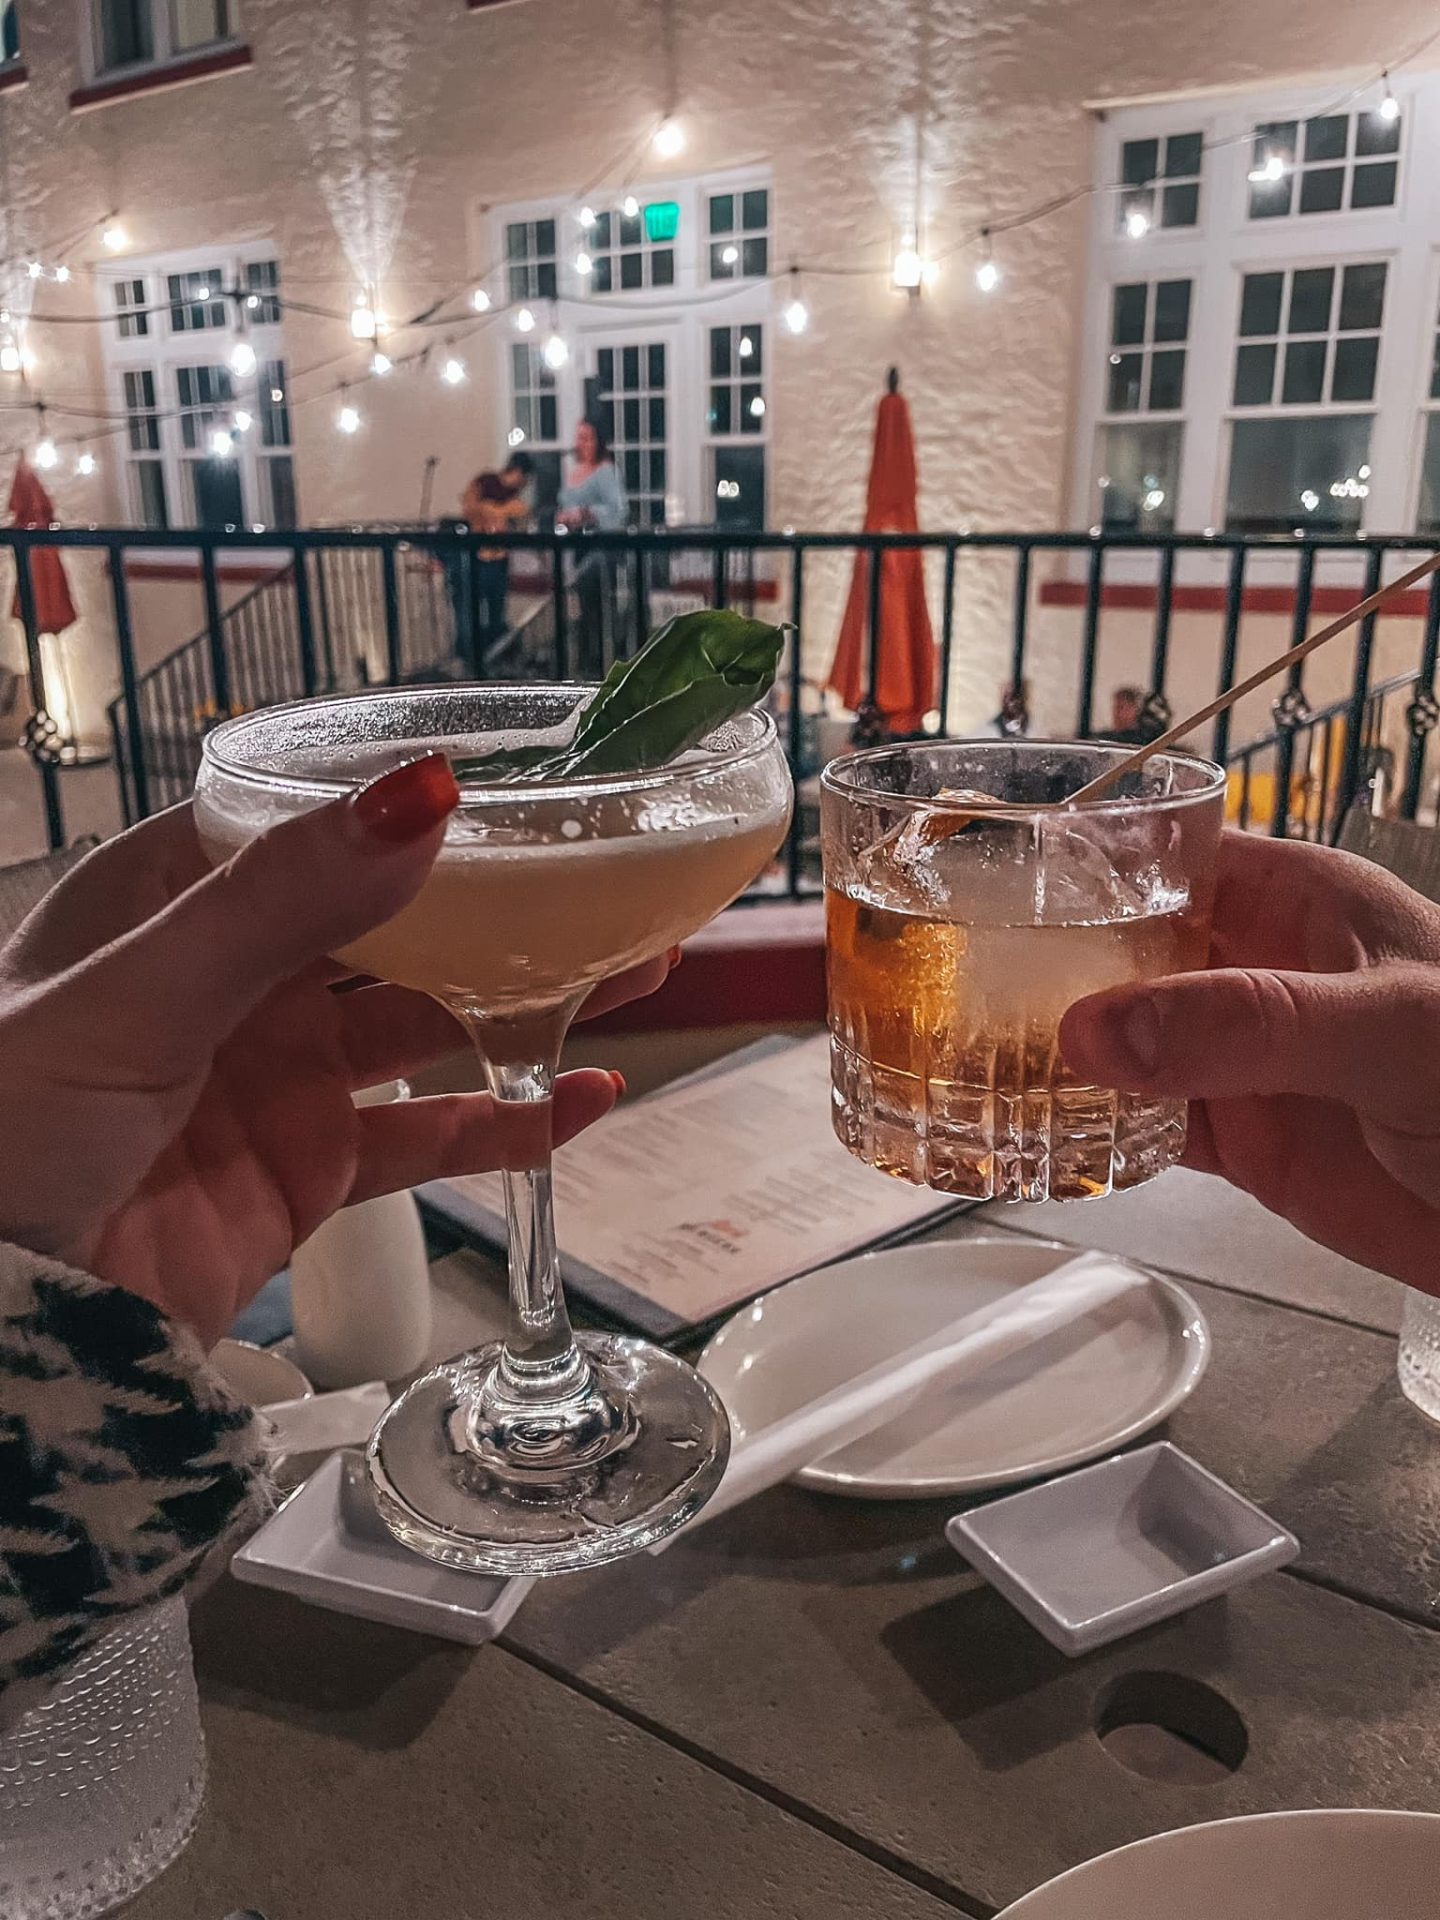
column 592, row 498
column 177, row 1064
column 1127, row 707
column 493, row 502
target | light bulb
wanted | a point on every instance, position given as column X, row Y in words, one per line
column 1389, row 108
column 669, row 139
column 277, row 394
column 34, row 269
column 46, row 454
column 516, row 436
column 556, row 352
column 348, row 420
column 584, row 265
column 85, row 464
column 480, row 300
column 1271, row 169
column 115, row 239
column 202, row 292
column 380, row 363
column 1137, row 223
column 525, row 321
column 243, row 420
column 242, row 359
column 453, row 371
column 221, row 443
column 797, row 316
column 252, row 301
column 10, row 360
column 747, row 346
column 907, row 269
column 730, row 255
column 364, row 324
column 757, row 407
column 987, row 276
column 62, row 274
column 587, row 217
column 630, row 206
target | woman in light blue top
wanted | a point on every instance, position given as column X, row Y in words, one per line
column 593, row 498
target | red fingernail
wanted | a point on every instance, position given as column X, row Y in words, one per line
column 676, row 955
column 406, row 803
column 617, row 1080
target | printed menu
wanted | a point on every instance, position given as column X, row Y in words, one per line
column 693, row 1200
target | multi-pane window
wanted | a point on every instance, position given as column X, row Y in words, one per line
column 1160, row 179
column 197, row 300
column 9, row 31
column 132, row 315
column 131, row 33
column 1429, row 515
column 275, row 466
column 1139, row 454
column 143, row 438
column 634, row 250
column 632, row 392
column 536, row 408
column 262, row 292
column 736, row 420
column 1308, row 354
column 1335, row 163
column 739, row 234
column 530, row 259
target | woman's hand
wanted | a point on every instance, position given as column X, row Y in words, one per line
column 177, row 1058
column 1310, row 1052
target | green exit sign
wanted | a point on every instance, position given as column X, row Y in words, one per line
column 662, row 220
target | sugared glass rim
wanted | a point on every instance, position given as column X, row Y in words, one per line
column 698, row 762
column 832, row 780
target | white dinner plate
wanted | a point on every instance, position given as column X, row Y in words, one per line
column 1086, row 1389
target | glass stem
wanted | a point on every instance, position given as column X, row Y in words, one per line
column 541, row 1360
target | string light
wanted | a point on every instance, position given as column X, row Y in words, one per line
column 757, row 407
column 730, row 255
column 222, row 443
column 630, row 206
column 34, row 269
column 584, row 265
column 1271, row 169
column 242, row 359
column 348, row 418
column 747, row 346
column 85, row 463
column 244, row 420
column 252, row 301
column 202, row 292
column 516, row 437
column 908, row 268
column 796, row 315
column 114, row 239
column 1137, row 223
column 555, row 352
column 1389, row 108
column 480, row 300
column 380, row 363
column 47, row 454
column 452, row 371
column 669, row 139
column 364, row 322
column 10, row 357
column 525, row 321
column 587, row 217
column 987, row 274
column 62, row 275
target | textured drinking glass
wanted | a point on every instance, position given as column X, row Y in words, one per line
column 1418, row 1357
column 952, row 955
column 101, row 1784
column 540, row 1453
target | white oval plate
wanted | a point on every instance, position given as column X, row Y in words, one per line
column 1084, row 1391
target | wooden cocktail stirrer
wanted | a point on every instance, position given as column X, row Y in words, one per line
column 1093, row 788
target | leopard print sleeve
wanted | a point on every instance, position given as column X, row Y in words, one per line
column 123, row 1460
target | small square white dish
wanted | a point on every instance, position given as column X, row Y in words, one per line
column 327, row 1545
column 1117, row 1546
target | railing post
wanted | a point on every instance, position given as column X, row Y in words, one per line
column 1019, row 632
column 1094, row 594
column 872, row 624
column 391, row 589
column 322, row 586
column 214, row 628
column 1359, row 691
column 720, row 584
column 1164, row 612
column 947, row 636
column 1230, row 647
column 1290, row 708
column 1423, row 712
column 304, row 623
column 40, row 741
column 562, row 623
column 796, row 730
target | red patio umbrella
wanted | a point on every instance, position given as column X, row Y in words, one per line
column 31, row 506
column 905, row 669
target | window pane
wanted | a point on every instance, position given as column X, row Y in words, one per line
column 274, row 408
column 656, row 482
column 1127, row 326
column 545, row 281
column 1139, row 162
column 1327, row 139
column 752, row 349
column 1376, row 134
column 1167, row 381
column 1260, row 303
column 9, row 30
column 605, row 365
column 1435, row 371
column 1429, row 521
column 722, row 213
column 719, row 352
column 631, row 270
column 1126, row 372
column 218, row 500
column 262, row 278
column 655, row 365
column 1374, row 186
column 1254, row 376
column 1312, row 292
column 1270, row 199
column 196, row 23
column 1362, row 297
column 525, row 415
column 754, row 258
column 545, row 236
column 656, row 412
column 1304, row 382
column 279, row 477
column 1322, row 190
column 630, row 415
column 720, row 267
column 1172, row 310
column 1281, row 473
column 1139, row 471
column 752, row 410
column 740, row 487
column 1180, row 206
column 630, row 368
column 125, row 35
column 517, row 243
column 755, row 209
column 150, row 481
column 1182, row 155
column 600, row 279
column 549, row 417
column 720, row 410
column 630, row 464
column 662, row 267
column 1275, row 137
column 1354, row 375
column 631, row 232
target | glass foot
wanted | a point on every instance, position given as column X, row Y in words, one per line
column 466, row 1476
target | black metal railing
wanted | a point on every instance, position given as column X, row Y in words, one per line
column 1054, row 617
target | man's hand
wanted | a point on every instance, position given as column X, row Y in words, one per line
column 1310, row 1051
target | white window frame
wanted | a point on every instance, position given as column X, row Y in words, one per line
column 1215, row 255
column 684, row 312
column 164, row 350
column 165, row 53
column 1429, row 407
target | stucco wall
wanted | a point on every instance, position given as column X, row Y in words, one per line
column 386, row 128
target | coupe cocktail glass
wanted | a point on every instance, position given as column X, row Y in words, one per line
column 541, row 1453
